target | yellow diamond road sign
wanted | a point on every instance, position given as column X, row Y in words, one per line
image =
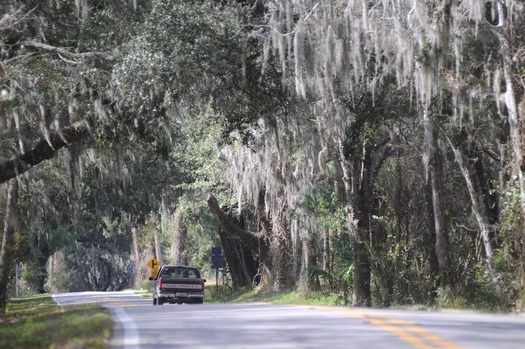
column 153, row 263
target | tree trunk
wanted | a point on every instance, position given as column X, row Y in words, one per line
column 180, row 237
column 310, row 261
column 280, row 238
column 326, row 250
column 243, row 250
column 158, row 248
column 265, row 229
column 363, row 237
column 442, row 247
column 360, row 235
column 339, row 188
column 7, row 251
column 241, row 261
column 136, row 257
column 431, row 242
column 478, row 207
column 435, row 174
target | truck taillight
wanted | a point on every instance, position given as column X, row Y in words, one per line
column 159, row 284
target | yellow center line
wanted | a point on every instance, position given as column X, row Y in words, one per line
column 426, row 334
column 409, row 332
column 396, row 330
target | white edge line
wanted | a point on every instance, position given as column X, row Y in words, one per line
column 131, row 339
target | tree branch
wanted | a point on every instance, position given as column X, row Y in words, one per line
column 224, row 222
column 62, row 51
column 255, row 241
column 43, row 150
column 13, row 17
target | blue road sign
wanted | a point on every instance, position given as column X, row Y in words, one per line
column 216, row 261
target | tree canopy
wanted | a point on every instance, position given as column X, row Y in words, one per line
column 367, row 148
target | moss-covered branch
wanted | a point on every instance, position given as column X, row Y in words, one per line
column 45, row 149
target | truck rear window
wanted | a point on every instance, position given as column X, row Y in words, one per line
column 173, row 272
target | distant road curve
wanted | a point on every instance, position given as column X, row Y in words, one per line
column 139, row 324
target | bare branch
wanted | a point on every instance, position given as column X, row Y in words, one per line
column 13, row 17
column 63, row 52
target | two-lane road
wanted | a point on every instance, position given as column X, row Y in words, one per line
column 139, row 324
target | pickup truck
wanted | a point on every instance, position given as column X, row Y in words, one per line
column 178, row 284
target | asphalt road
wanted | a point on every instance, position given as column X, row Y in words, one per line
column 139, row 324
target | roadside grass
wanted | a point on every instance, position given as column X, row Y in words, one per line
column 293, row 297
column 224, row 294
column 38, row 322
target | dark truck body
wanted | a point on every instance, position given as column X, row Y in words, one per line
column 178, row 284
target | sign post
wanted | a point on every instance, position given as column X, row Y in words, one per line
column 216, row 264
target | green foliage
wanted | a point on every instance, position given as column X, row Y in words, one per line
column 196, row 153
column 510, row 253
column 479, row 52
column 195, row 53
column 341, row 240
column 327, row 280
column 449, row 299
column 476, row 291
column 337, row 282
column 511, row 222
column 201, row 235
column 423, row 56
column 182, row 49
column 400, row 276
column 31, row 278
column 323, row 203
column 356, row 134
column 332, row 217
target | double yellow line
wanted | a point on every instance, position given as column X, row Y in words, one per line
column 410, row 333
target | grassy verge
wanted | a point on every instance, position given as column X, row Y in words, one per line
column 37, row 322
column 223, row 294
